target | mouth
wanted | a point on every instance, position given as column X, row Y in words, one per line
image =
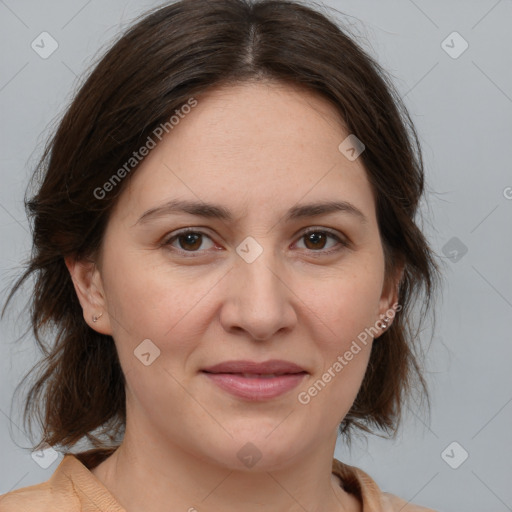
column 256, row 381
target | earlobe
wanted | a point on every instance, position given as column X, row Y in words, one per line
column 88, row 286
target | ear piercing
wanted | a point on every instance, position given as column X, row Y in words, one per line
column 96, row 318
column 386, row 321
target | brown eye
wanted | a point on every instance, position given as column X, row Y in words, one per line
column 191, row 241
column 317, row 239
column 188, row 241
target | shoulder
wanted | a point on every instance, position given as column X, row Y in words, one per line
column 71, row 488
column 393, row 503
column 35, row 498
column 359, row 483
column 58, row 494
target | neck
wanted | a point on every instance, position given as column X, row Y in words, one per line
column 160, row 477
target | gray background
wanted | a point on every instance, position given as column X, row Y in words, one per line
column 462, row 108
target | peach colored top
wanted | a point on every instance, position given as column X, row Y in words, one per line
column 73, row 488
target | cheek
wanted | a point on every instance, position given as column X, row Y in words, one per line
column 163, row 303
column 344, row 348
column 347, row 307
column 347, row 303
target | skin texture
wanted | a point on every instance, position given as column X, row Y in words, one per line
column 258, row 149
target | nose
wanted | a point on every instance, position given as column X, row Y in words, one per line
column 258, row 300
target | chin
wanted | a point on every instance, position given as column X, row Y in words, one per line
column 259, row 447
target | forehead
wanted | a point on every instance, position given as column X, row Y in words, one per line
column 254, row 145
column 259, row 116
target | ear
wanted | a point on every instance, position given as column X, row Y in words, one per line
column 88, row 285
column 389, row 299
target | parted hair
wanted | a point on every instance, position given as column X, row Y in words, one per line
column 168, row 55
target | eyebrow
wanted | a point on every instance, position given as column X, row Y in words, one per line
column 214, row 211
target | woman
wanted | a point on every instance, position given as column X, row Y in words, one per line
column 225, row 244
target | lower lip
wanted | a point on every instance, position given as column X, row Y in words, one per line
column 256, row 388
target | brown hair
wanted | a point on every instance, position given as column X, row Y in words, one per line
column 172, row 54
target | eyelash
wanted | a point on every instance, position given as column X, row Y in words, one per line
column 193, row 254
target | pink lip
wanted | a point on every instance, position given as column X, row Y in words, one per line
column 256, row 388
column 230, row 377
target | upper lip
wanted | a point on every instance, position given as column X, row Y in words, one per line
column 274, row 366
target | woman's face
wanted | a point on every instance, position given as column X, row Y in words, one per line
column 251, row 286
